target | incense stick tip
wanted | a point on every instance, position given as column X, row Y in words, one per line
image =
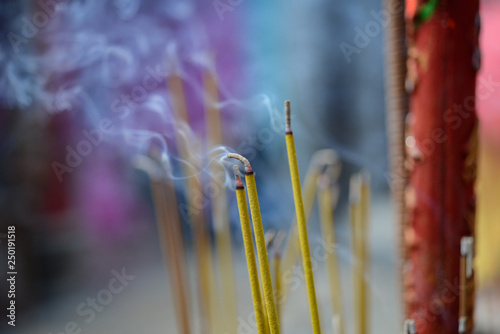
column 288, row 115
column 239, row 183
column 244, row 161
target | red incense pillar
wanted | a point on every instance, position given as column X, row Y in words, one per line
column 440, row 138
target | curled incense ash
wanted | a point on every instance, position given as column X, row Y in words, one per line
column 244, row 161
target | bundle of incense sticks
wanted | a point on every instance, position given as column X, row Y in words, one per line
column 206, row 276
column 218, row 305
column 220, row 217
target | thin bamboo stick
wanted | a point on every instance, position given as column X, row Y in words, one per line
column 301, row 222
column 323, row 158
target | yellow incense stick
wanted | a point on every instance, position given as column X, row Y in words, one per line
column 270, row 236
column 326, row 208
column 277, row 272
column 260, row 241
column 321, row 159
column 277, row 260
column 220, row 218
column 301, row 222
column 246, row 231
column 364, row 249
column 357, row 273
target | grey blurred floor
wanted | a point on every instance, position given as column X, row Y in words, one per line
column 144, row 307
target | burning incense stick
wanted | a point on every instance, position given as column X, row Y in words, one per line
column 465, row 322
column 220, row 218
column 167, row 218
column 246, row 231
column 326, row 158
column 409, row 327
column 301, row 222
column 326, row 209
column 265, row 272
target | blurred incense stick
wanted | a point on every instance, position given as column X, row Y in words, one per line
column 359, row 202
column 171, row 239
column 364, row 249
column 327, row 199
column 357, row 273
column 220, row 217
column 278, row 244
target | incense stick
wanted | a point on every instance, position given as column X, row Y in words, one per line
column 357, row 276
column 269, row 237
column 326, row 208
column 364, row 248
column 246, row 231
column 359, row 218
column 167, row 219
column 265, row 272
column 301, row 222
column 220, row 218
column 326, row 158
column 278, row 244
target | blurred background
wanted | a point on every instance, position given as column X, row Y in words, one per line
column 87, row 87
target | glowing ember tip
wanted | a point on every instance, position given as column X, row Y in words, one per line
column 239, row 183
